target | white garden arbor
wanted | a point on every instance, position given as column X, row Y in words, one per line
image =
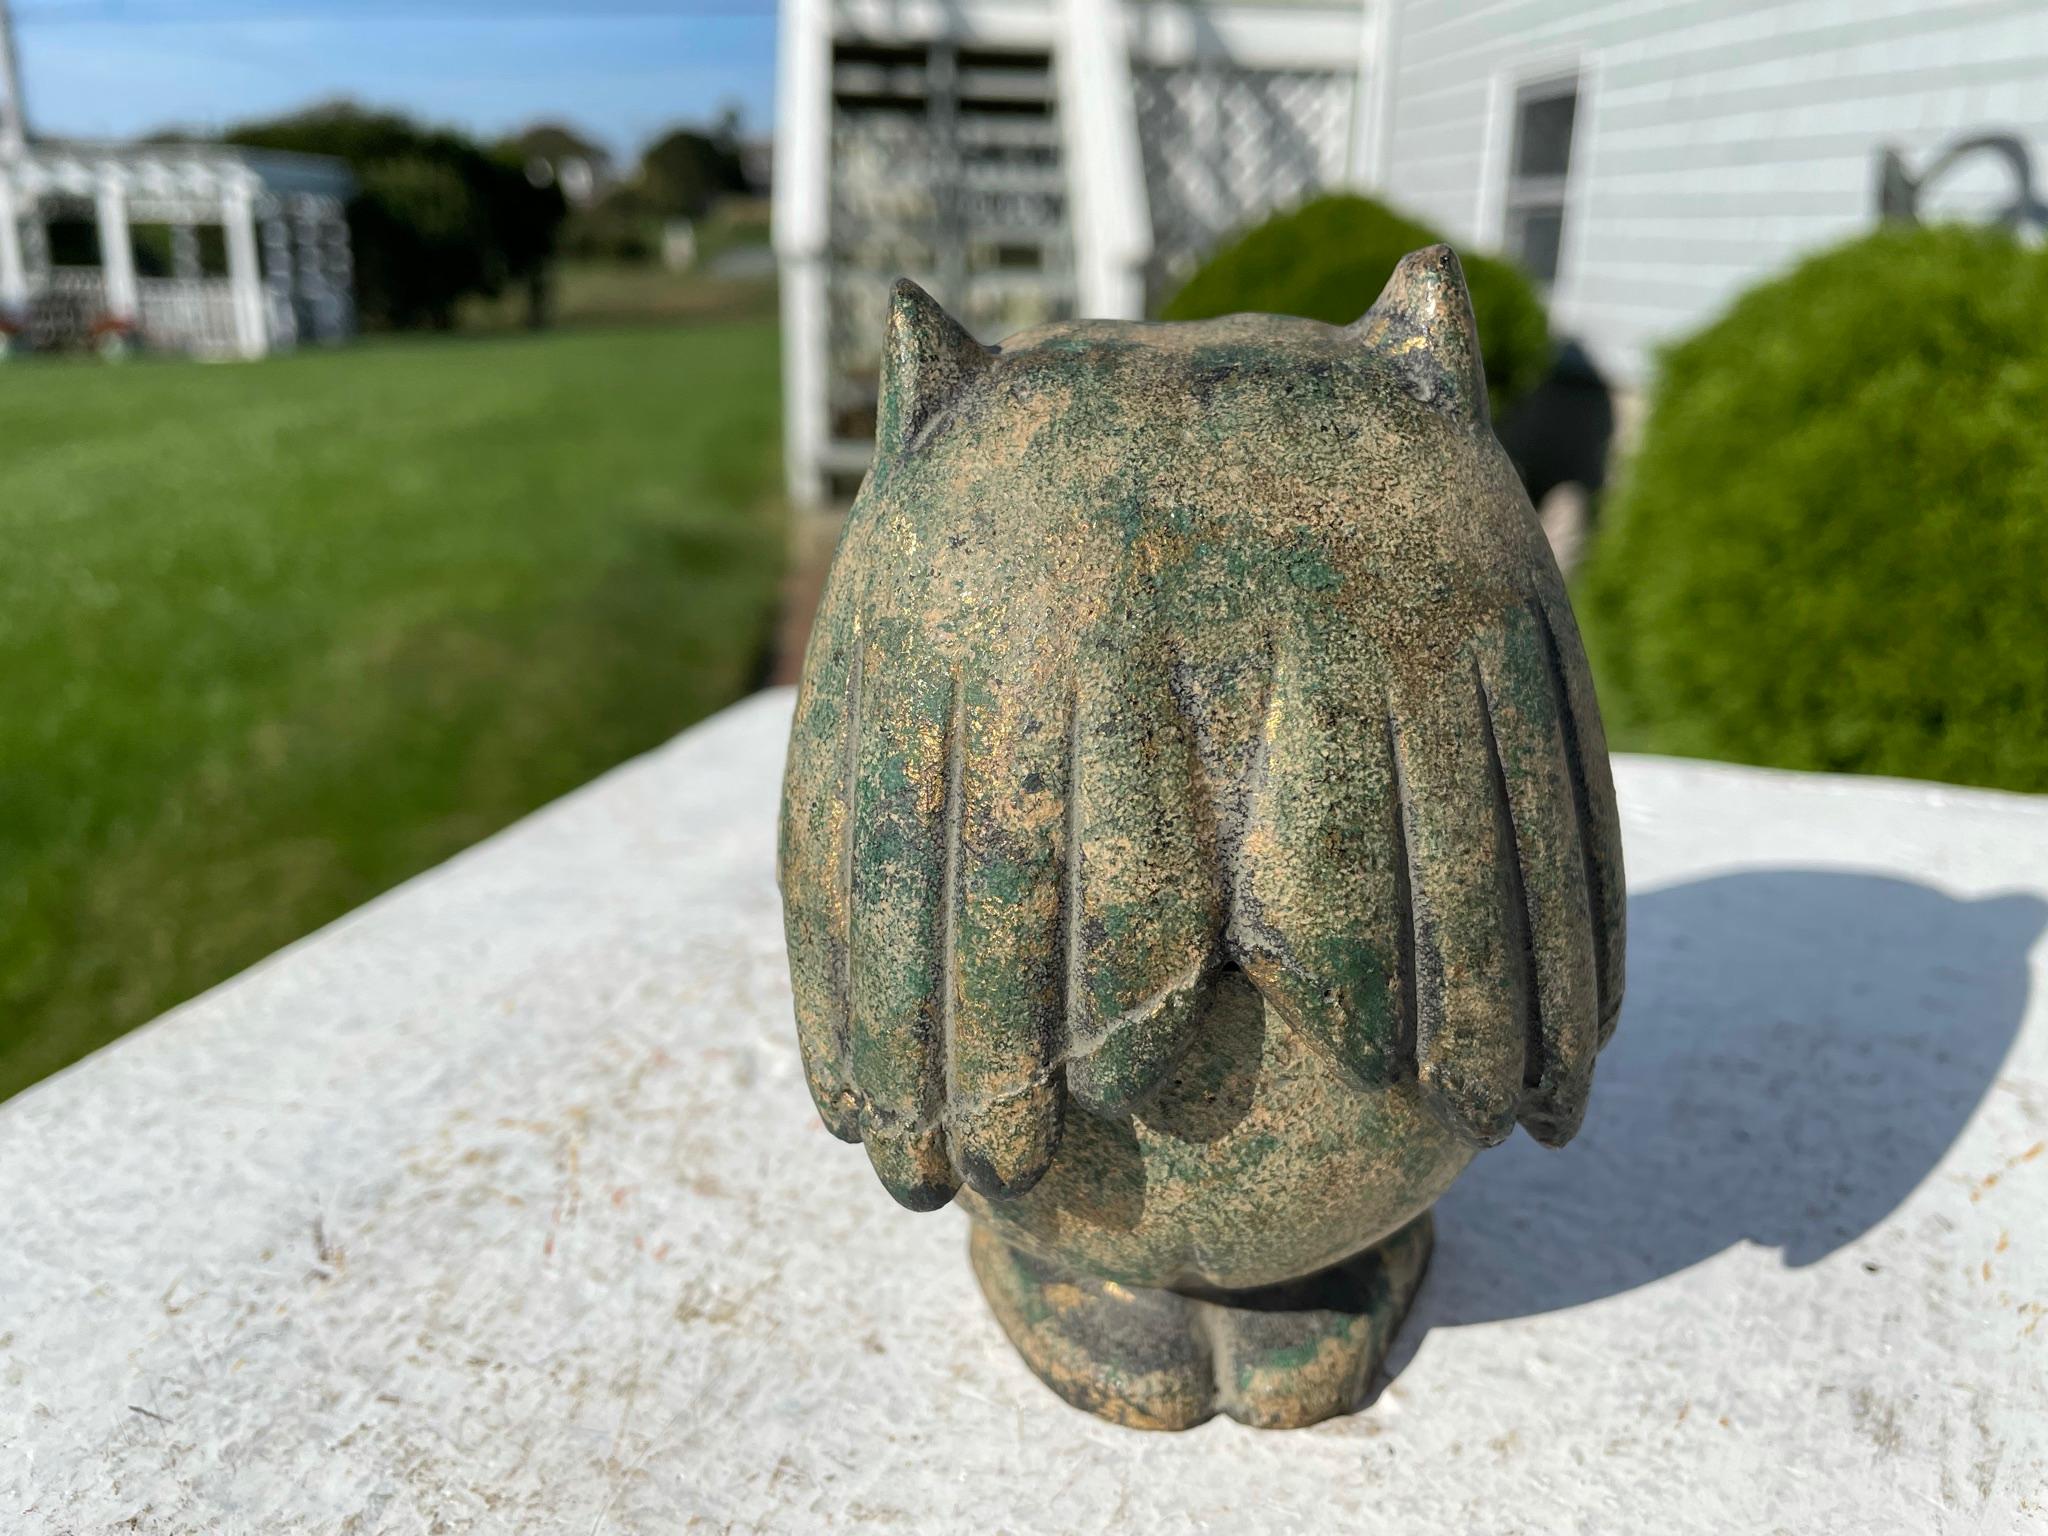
column 253, row 256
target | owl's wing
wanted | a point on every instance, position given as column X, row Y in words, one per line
column 998, row 892
column 998, row 888
column 1433, row 860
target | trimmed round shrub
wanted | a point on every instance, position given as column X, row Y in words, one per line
column 1328, row 259
column 1831, row 550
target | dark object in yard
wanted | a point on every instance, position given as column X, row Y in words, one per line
column 1899, row 192
column 1198, row 838
column 1561, row 431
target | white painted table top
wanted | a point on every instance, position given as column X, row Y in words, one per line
column 500, row 1207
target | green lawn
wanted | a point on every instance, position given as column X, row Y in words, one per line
column 618, row 293
column 274, row 637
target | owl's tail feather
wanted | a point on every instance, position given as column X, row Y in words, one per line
column 1592, row 782
column 1003, row 975
column 1320, row 902
column 1508, row 867
column 1002, row 889
column 1427, row 880
column 1084, row 900
column 1144, row 900
column 814, row 866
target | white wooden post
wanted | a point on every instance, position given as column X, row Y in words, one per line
column 185, row 263
column 13, row 116
column 282, row 290
column 245, row 274
column 802, row 230
column 117, row 247
column 13, row 270
column 807, row 426
column 1111, row 219
column 1370, row 162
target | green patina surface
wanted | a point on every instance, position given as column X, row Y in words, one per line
column 1198, row 837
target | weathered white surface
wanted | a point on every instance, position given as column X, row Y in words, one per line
column 501, row 1207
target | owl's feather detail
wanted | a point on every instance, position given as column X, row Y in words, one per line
column 1091, row 715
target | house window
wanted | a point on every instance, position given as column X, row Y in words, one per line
column 1538, row 164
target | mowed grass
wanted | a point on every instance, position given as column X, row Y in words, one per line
column 618, row 293
column 275, row 637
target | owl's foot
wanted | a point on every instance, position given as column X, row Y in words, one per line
column 1276, row 1358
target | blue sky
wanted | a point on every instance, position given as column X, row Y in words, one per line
column 621, row 70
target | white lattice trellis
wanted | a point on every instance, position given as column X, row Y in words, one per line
column 1224, row 145
column 945, row 168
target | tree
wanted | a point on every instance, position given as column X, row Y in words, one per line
column 619, row 226
column 556, row 155
column 555, row 142
column 435, row 216
column 685, row 171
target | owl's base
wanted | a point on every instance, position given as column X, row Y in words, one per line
column 1276, row 1358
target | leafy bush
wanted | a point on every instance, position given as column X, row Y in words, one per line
column 410, row 224
column 620, row 226
column 1831, row 549
column 1328, row 259
column 684, row 172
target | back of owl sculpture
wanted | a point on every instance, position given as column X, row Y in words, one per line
column 1198, row 837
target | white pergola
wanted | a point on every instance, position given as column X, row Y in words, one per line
column 284, row 231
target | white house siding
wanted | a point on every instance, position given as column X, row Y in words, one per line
column 1716, row 140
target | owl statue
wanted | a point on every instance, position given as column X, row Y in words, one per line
column 1198, row 838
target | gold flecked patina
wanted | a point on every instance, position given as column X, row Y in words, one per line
column 1198, row 839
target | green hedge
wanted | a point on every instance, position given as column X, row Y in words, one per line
column 1831, row 550
column 1328, row 260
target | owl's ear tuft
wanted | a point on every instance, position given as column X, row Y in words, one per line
column 1422, row 324
column 927, row 358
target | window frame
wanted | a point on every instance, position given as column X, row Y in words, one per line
column 1524, row 194
column 1504, row 194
